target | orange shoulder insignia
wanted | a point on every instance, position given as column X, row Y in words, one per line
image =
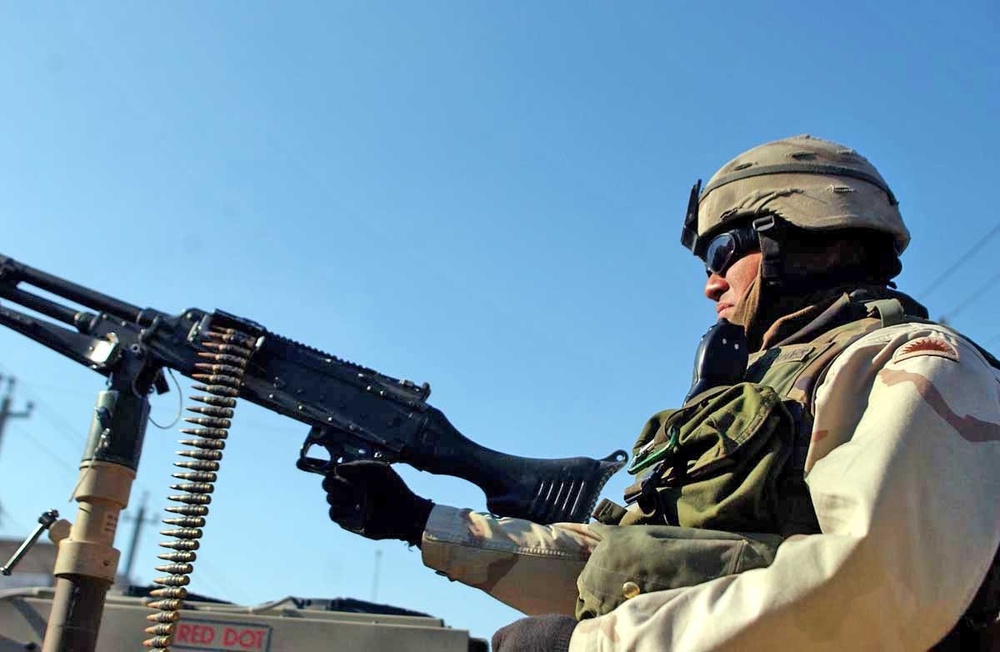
column 927, row 345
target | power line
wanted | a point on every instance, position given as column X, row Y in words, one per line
column 59, row 424
column 5, row 519
column 993, row 338
column 55, row 457
column 964, row 258
column 976, row 294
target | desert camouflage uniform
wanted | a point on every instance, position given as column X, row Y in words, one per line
column 902, row 470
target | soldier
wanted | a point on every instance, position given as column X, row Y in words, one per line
column 838, row 489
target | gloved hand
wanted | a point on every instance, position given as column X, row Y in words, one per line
column 370, row 499
column 550, row 633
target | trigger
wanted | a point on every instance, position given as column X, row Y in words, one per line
column 312, row 464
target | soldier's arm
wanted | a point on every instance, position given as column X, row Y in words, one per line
column 903, row 477
column 530, row 567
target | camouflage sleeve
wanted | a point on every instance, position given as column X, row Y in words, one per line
column 530, row 567
column 902, row 471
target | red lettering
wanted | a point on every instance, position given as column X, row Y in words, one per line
column 245, row 639
column 200, row 634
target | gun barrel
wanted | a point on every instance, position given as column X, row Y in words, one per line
column 17, row 272
column 40, row 305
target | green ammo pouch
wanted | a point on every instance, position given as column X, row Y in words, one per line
column 714, row 463
column 709, row 471
column 636, row 559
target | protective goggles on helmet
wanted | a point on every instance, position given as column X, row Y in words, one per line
column 744, row 238
column 729, row 246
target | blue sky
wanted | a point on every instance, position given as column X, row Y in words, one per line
column 483, row 196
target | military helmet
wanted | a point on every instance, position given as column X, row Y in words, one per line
column 808, row 182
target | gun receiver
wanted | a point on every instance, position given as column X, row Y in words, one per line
column 353, row 412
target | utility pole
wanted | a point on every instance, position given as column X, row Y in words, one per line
column 5, row 406
column 125, row 576
column 378, row 564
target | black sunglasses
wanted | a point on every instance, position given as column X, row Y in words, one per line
column 726, row 248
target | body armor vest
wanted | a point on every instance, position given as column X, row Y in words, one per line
column 755, row 432
column 713, row 433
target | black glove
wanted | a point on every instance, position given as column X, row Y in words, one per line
column 370, row 499
column 549, row 633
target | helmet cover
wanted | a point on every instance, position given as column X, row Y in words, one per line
column 810, row 183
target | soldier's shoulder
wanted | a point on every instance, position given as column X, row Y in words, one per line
column 921, row 341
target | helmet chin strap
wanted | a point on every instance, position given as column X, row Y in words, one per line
column 778, row 270
column 770, row 234
column 784, row 281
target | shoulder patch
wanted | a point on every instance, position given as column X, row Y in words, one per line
column 926, row 346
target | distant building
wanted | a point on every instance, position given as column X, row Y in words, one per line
column 35, row 569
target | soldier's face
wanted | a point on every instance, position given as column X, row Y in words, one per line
column 727, row 289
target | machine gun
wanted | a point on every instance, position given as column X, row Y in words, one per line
column 354, row 413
